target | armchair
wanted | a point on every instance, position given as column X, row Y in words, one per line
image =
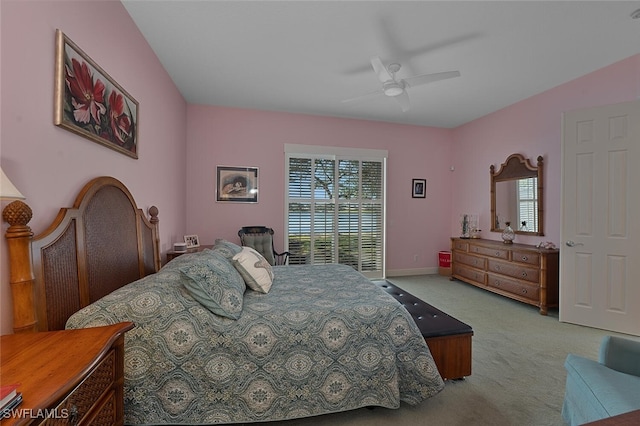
column 260, row 238
column 611, row 386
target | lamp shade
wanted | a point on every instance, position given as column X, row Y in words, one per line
column 8, row 191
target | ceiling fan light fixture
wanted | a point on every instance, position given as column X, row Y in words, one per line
column 392, row 88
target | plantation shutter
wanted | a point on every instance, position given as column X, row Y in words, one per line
column 527, row 204
column 371, row 246
column 335, row 208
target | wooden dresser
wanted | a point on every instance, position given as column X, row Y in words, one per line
column 519, row 271
column 73, row 377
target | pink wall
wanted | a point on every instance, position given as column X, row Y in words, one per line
column 224, row 136
column 234, row 137
column 49, row 165
column 531, row 127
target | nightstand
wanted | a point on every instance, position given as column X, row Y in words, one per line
column 68, row 376
column 173, row 254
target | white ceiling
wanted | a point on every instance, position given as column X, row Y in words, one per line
column 308, row 56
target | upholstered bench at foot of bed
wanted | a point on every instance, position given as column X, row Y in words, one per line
column 449, row 339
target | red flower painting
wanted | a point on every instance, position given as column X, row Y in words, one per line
column 90, row 103
column 87, row 97
column 119, row 121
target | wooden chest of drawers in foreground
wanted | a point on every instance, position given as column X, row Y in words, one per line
column 71, row 377
column 518, row 271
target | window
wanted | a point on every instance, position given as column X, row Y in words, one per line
column 527, row 204
column 335, row 207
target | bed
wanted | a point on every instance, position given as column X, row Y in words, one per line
column 323, row 338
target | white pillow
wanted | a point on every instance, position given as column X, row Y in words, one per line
column 255, row 269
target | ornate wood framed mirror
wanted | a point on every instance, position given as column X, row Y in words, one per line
column 517, row 196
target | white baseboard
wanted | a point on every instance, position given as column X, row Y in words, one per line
column 408, row 272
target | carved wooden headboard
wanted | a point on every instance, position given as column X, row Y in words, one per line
column 91, row 249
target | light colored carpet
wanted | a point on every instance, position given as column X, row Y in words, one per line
column 517, row 371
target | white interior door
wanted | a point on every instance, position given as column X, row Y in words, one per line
column 600, row 253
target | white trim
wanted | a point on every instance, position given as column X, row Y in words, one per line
column 409, row 272
column 290, row 148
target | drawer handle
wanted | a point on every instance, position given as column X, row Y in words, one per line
column 524, row 273
column 497, row 283
column 497, row 268
column 525, row 258
column 497, row 253
column 524, row 291
column 73, row 415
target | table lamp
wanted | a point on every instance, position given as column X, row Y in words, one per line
column 15, row 213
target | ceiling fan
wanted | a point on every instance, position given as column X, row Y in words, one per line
column 397, row 89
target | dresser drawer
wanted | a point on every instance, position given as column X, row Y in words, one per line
column 470, row 273
column 515, row 270
column 85, row 396
column 460, row 245
column 476, row 262
column 499, row 253
column 514, row 287
column 528, row 257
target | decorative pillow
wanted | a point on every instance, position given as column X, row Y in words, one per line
column 216, row 284
column 226, row 248
column 255, row 269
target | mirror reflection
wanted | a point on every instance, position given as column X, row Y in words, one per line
column 517, row 202
column 516, row 196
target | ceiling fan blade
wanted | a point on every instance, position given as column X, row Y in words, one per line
column 430, row 78
column 403, row 100
column 381, row 71
column 363, row 97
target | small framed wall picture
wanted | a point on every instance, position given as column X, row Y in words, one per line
column 419, row 188
column 237, row 184
column 192, row 241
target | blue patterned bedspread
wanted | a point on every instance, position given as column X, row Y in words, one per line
column 324, row 339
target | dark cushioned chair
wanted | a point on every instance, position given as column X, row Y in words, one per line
column 260, row 238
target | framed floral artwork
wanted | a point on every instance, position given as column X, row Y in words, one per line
column 237, row 184
column 90, row 103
